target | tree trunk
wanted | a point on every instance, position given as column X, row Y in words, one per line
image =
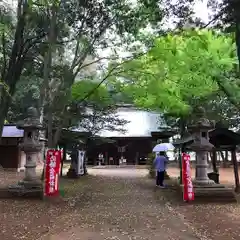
column 50, row 129
column 13, row 69
column 4, row 104
column 47, row 70
column 214, row 161
column 235, row 6
column 46, row 77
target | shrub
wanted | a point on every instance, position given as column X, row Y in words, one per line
column 151, row 173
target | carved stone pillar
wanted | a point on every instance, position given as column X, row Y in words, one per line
column 31, row 146
column 201, row 145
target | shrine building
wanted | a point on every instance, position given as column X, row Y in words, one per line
column 142, row 131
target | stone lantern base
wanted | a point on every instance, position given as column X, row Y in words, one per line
column 27, row 188
column 213, row 193
column 216, row 192
column 203, row 183
column 72, row 173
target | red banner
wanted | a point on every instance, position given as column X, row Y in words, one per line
column 188, row 193
column 52, row 169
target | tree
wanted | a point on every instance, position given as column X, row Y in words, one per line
column 84, row 27
column 225, row 17
column 27, row 94
column 16, row 42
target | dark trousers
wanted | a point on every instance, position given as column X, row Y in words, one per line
column 160, row 178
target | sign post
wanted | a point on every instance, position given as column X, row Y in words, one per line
column 81, row 156
column 188, row 193
column 52, row 170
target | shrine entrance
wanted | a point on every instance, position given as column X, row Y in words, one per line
column 135, row 150
column 131, row 150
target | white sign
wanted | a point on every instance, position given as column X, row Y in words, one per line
column 81, row 156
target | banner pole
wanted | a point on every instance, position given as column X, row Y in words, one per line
column 44, row 178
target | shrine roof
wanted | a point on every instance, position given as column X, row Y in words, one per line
column 67, row 134
column 140, row 123
column 223, row 136
column 183, row 141
column 11, row 131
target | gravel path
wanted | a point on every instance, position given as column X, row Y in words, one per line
column 124, row 206
column 118, row 203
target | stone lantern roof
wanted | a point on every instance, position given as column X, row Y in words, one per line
column 32, row 120
column 197, row 138
column 202, row 124
column 199, row 131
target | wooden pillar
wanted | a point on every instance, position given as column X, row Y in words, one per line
column 106, row 158
column 136, row 158
column 63, row 159
column 235, row 167
column 214, row 161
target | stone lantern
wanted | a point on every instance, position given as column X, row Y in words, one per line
column 201, row 146
column 31, row 146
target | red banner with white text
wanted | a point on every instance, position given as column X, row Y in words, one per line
column 188, row 193
column 52, row 169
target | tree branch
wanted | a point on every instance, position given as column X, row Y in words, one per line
column 227, row 93
column 18, row 41
column 222, row 11
column 96, row 61
column 96, row 38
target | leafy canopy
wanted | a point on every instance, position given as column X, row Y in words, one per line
column 177, row 69
column 82, row 88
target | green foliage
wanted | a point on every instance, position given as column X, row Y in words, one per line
column 82, row 27
column 27, row 94
column 95, row 112
column 177, row 69
column 101, row 95
column 150, row 159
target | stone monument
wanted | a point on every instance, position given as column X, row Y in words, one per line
column 203, row 186
column 31, row 145
column 201, row 146
column 72, row 171
column 78, row 162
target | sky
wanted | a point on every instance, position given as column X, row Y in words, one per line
column 200, row 7
column 201, row 10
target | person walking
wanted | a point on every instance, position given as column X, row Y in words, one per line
column 160, row 163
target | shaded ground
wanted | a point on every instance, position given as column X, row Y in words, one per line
column 115, row 204
column 124, row 207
